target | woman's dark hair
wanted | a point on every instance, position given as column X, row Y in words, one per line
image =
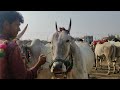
column 10, row 16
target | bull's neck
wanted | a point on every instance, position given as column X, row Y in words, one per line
column 78, row 64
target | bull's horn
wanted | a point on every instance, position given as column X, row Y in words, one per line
column 56, row 26
column 69, row 25
column 21, row 34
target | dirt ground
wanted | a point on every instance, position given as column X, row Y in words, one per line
column 102, row 73
column 97, row 74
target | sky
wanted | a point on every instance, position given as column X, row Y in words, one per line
column 41, row 24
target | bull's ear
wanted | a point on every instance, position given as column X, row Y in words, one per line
column 56, row 26
column 69, row 28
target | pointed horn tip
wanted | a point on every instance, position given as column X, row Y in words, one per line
column 56, row 26
column 70, row 19
column 26, row 25
column 69, row 25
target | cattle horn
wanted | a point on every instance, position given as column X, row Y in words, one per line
column 56, row 26
column 69, row 25
column 23, row 31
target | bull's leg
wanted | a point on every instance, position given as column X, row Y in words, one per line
column 118, row 68
column 114, row 67
column 88, row 76
column 96, row 62
column 108, row 67
column 117, row 65
column 100, row 63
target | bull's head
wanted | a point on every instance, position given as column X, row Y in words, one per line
column 61, row 50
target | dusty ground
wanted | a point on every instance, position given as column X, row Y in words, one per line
column 102, row 73
column 96, row 74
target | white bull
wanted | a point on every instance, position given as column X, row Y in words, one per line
column 69, row 60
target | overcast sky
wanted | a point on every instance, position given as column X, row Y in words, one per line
column 41, row 24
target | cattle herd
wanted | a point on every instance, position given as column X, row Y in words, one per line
column 70, row 59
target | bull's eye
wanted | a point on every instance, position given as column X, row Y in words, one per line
column 50, row 42
column 67, row 40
